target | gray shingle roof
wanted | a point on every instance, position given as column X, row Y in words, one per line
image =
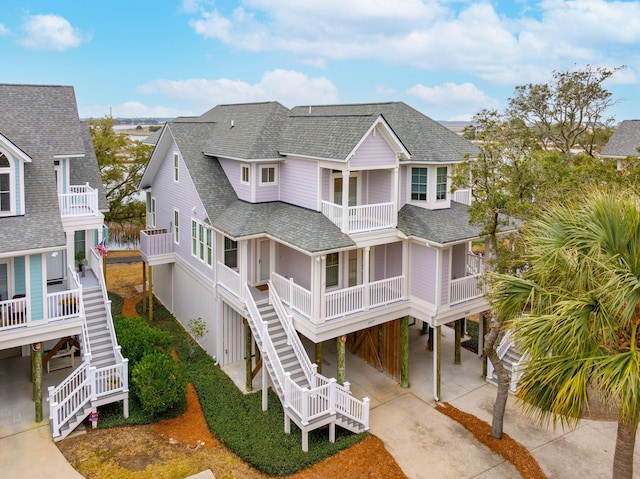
column 426, row 139
column 448, row 225
column 249, row 131
column 42, row 121
column 625, row 140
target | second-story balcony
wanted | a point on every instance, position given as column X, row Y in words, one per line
column 361, row 218
column 81, row 200
column 156, row 246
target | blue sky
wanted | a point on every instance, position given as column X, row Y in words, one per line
column 446, row 58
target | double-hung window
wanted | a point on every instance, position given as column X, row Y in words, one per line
column 176, row 167
column 176, row 226
column 441, row 183
column 268, row 175
column 332, row 269
column 244, row 175
column 202, row 242
column 419, row 184
column 230, row 253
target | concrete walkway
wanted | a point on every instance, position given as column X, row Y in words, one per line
column 425, row 443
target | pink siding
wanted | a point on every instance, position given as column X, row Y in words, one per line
column 183, row 197
column 403, row 185
column 299, row 183
column 387, row 261
column 378, row 187
column 374, row 152
column 293, row 264
column 444, row 292
column 423, row 263
column 268, row 192
column 458, row 261
column 232, row 170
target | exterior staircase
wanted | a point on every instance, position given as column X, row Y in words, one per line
column 512, row 358
column 309, row 399
column 102, row 376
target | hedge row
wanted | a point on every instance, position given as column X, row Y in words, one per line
column 237, row 419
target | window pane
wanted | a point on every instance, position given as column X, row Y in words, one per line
column 332, row 269
column 441, row 183
column 419, row 184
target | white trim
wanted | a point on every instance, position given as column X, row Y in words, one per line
column 12, row 147
column 176, row 167
column 246, row 168
column 176, row 226
column 261, row 182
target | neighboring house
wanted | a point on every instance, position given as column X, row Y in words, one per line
column 624, row 142
column 52, row 291
column 343, row 212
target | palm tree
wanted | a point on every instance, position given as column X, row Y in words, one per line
column 581, row 295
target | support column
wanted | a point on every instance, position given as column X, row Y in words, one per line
column 36, row 378
column 436, row 364
column 458, row 335
column 341, row 358
column 150, row 293
column 430, row 339
column 404, row 352
column 318, row 359
column 144, row 286
column 247, row 355
column 483, row 327
column 345, row 201
column 365, row 277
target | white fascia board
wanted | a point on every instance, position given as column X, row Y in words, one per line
column 14, row 149
column 390, row 137
column 246, row 160
column 76, row 155
column 156, row 158
column 317, row 158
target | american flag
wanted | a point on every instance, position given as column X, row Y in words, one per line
column 102, row 248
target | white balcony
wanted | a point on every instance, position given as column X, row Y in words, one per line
column 156, row 246
column 466, row 289
column 82, row 200
column 341, row 302
column 361, row 218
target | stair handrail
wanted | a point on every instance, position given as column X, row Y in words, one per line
column 292, row 335
column 505, row 344
column 340, row 398
column 69, row 397
column 518, row 370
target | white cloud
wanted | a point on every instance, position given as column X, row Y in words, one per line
column 3, row 30
column 288, row 87
column 454, row 96
column 437, row 35
column 132, row 109
column 51, row 32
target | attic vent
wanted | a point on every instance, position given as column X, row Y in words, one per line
column 309, row 109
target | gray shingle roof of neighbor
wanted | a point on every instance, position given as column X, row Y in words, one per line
column 426, row 139
column 86, row 170
column 153, row 138
column 624, row 141
column 248, row 131
column 42, row 121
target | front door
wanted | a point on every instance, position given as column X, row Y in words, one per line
column 264, row 260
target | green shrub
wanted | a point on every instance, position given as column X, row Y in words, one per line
column 159, row 381
column 137, row 339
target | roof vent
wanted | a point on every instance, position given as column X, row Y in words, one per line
column 231, row 123
column 309, row 109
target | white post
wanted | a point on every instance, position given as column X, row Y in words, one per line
column 265, row 386
column 365, row 278
column 394, row 195
column 345, row 201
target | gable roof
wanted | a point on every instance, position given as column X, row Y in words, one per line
column 426, row 139
column 624, row 141
column 43, row 122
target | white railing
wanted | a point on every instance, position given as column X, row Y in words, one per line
column 386, row 291
column 82, row 200
column 72, row 395
column 345, row 301
column 324, row 396
column 13, row 313
column 293, row 339
column 466, row 289
column 229, row 278
column 293, row 295
column 505, row 344
column 475, row 263
column 66, row 304
column 463, row 196
column 362, row 217
column 155, row 242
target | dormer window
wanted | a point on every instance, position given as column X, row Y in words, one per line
column 419, row 184
column 441, row 183
column 268, row 175
column 5, row 185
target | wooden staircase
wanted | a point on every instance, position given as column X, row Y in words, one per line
column 309, row 399
column 102, row 376
column 512, row 358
